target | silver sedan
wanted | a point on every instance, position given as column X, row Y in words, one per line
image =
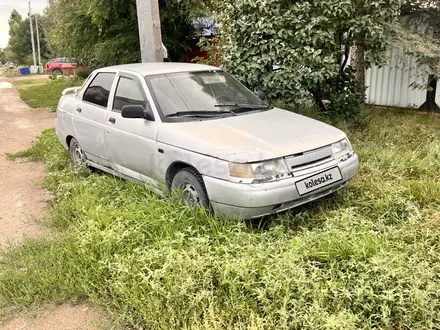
column 197, row 130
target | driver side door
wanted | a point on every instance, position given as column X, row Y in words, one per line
column 131, row 143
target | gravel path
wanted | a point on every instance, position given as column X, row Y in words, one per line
column 22, row 202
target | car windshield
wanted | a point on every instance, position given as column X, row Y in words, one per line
column 208, row 93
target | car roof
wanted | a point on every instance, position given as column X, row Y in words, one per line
column 161, row 68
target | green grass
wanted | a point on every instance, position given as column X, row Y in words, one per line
column 30, row 82
column 365, row 257
column 48, row 94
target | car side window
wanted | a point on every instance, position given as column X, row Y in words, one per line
column 128, row 92
column 99, row 89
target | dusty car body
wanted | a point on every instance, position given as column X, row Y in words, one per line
column 196, row 129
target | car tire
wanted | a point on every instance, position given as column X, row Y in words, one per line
column 77, row 155
column 189, row 183
column 57, row 72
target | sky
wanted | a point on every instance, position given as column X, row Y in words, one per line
column 7, row 6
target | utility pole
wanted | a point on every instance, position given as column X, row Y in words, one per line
column 38, row 44
column 32, row 35
column 149, row 30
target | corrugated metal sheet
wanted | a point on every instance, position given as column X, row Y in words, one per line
column 390, row 85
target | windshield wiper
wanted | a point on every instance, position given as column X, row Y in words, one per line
column 203, row 114
column 244, row 106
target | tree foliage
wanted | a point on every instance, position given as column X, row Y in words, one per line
column 19, row 48
column 418, row 32
column 105, row 32
column 2, row 56
column 419, row 6
column 293, row 48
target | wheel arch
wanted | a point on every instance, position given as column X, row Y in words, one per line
column 173, row 169
column 68, row 140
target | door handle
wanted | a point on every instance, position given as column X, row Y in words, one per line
column 112, row 120
column 78, row 110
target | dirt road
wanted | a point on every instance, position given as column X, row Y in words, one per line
column 22, row 202
column 21, row 196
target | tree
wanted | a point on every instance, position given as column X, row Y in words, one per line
column 424, row 14
column 2, row 56
column 419, row 6
column 418, row 34
column 105, row 32
column 19, row 44
column 291, row 48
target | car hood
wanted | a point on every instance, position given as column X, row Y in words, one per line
column 251, row 137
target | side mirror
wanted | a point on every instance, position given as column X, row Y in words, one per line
column 261, row 95
column 136, row 111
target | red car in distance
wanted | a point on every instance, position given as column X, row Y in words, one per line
column 62, row 65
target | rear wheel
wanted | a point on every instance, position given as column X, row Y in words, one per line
column 76, row 153
column 189, row 183
column 57, row 72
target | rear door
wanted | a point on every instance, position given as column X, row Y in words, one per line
column 90, row 117
column 131, row 142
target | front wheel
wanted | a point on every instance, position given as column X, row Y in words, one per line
column 76, row 153
column 190, row 184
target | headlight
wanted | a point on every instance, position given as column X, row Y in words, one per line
column 259, row 172
column 342, row 149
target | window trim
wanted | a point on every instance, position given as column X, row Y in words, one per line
column 139, row 85
column 85, row 85
column 91, row 82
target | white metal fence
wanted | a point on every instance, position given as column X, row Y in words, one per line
column 390, row 85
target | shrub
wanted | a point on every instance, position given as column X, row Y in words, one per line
column 294, row 49
column 345, row 96
column 212, row 48
column 83, row 72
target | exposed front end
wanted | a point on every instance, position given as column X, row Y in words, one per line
column 305, row 177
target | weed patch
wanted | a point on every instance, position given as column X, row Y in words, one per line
column 48, row 94
column 365, row 257
column 30, row 82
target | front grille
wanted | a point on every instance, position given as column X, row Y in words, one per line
column 305, row 160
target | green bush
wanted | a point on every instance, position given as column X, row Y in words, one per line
column 10, row 73
column 363, row 258
column 83, row 73
column 291, row 50
column 345, row 96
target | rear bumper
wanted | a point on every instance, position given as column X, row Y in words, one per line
column 245, row 201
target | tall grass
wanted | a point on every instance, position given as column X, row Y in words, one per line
column 48, row 94
column 365, row 257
